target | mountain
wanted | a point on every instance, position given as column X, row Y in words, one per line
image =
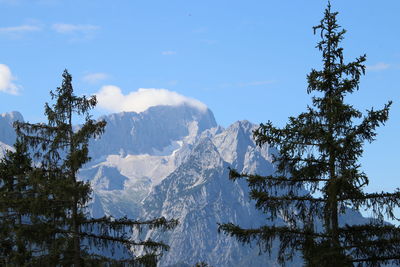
column 156, row 131
column 173, row 161
column 4, row 148
column 7, row 133
column 200, row 194
column 186, row 177
column 182, row 172
column 137, row 151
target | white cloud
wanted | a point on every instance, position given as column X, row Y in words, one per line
column 168, row 53
column 95, row 77
column 111, row 98
column 73, row 28
column 378, row 66
column 20, row 29
column 6, row 81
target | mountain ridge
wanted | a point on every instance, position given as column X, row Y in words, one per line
column 183, row 176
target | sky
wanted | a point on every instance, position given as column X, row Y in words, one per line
column 242, row 59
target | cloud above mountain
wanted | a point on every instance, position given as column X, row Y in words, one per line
column 6, row 81
column 111, row 98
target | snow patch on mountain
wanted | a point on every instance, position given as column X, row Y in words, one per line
column 152, row 167
column 4, row 148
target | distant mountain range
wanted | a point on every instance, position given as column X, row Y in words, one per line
column 173, row 161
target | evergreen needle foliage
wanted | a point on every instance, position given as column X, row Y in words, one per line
column 319, row 151
column 43, row 210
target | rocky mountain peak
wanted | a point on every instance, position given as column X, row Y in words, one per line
column 154, row 131
column 12, row 116
column 7, row 133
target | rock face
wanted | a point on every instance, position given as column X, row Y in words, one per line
column 200, row 194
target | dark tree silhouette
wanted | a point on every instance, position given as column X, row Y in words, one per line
column 319, row 151
column 15, row 201
column 47, row 198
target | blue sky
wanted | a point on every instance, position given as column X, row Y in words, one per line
column 243, row 59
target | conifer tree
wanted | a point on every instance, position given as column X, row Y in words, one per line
column 319, row 150
column 64, row 234
column 14, row 204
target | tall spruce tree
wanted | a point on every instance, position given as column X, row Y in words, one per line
column 319, row 151
column 55, row 201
